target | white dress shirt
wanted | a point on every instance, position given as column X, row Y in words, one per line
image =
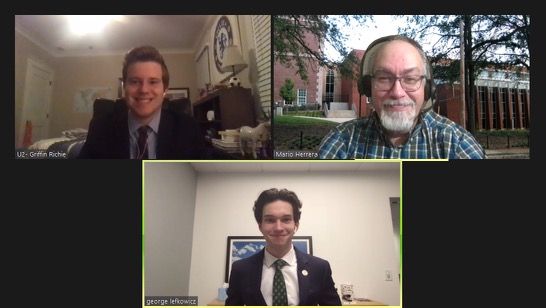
column 290, row 273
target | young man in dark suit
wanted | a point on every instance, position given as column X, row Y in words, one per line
column 141, row 128
column 305, row 281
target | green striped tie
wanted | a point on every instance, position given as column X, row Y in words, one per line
column 279, row 288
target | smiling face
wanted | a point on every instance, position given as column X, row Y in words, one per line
column 144, row 89
column 397, row 108
column 278, row 227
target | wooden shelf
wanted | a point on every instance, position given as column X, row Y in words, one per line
column 233, row 107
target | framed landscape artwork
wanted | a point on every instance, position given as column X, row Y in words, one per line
column 175, row 93
column 241, row 247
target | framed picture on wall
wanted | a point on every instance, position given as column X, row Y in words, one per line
column 175, row 93
column 241, row 247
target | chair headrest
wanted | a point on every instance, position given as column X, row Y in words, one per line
column 103, row 106
column 179, row 105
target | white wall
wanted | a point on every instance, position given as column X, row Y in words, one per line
column 346, row 213
column 169, row 205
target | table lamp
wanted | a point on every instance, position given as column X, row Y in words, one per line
column 234, row 63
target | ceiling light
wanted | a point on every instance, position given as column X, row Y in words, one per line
column 83, row 24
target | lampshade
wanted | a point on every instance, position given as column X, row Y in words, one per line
column 233, row 61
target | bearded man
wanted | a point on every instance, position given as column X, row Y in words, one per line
column 396, row 76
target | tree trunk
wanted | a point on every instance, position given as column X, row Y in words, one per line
column 469, row 76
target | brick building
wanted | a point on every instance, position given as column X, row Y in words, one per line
column 502, row 100
column 349, row 89
column 323, row 86
column 307, row 92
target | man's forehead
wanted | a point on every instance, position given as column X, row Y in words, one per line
column 396, row 53
column 399, row 47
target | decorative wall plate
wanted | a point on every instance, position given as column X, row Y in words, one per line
column 223, row 37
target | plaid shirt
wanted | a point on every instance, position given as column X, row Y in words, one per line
column 434, row 136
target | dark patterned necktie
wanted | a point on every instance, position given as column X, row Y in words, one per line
column 279, row 288
column 142, row 144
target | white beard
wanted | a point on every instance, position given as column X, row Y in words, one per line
column 398, row 121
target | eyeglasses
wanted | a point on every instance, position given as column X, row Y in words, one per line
column 409, row 83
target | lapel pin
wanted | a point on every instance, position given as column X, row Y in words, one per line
column 304, row 272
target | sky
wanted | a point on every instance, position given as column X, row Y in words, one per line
column 361, row 36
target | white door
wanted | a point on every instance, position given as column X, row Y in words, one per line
column 36, row 100
column 395, row 215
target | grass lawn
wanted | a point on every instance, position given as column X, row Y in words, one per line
column 295, row 133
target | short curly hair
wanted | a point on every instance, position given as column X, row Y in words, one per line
column 272, row 195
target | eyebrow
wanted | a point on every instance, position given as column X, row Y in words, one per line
column 273, row 216
column 145, row 78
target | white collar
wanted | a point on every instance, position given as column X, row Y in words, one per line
column 289, row 257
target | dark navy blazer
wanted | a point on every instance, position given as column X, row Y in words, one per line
column 179, row 137
column 315, row 288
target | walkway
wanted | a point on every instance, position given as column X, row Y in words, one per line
column 509, row 153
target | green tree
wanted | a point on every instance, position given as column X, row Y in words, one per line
column 292, row 32
column 287, row 91
column 489, row 41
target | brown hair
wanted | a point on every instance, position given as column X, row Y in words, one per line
column 273, row 194
column 145, row 54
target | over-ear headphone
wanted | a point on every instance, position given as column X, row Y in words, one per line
column 364, row 83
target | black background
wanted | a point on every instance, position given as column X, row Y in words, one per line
column 72, row 229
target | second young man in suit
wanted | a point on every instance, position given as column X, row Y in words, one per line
column 307, row 279
column 141, row 128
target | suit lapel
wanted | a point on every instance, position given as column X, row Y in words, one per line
column 256, row 279
column 122, row 137
column 303, row 281
column 165, row 139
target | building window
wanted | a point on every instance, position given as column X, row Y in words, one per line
column 504, row 107
column 522, row 101
column 494, row 111
column 329, row 93
column 514, row 114
column 483, row 110
column 302, row 97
